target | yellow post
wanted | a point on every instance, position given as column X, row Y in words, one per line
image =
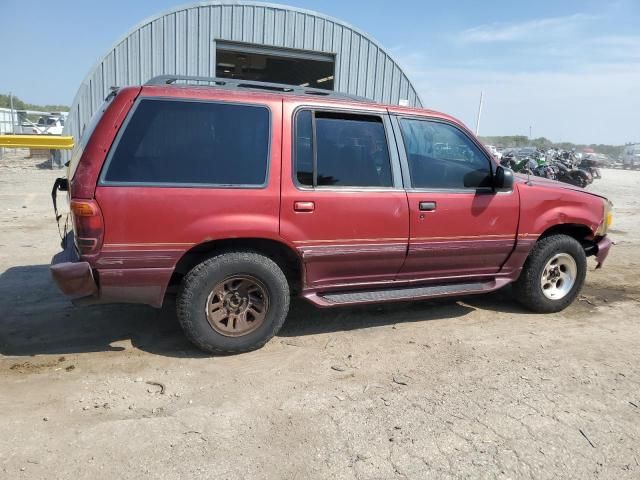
column 51, row 142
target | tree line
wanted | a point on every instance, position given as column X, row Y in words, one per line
column 5, row 102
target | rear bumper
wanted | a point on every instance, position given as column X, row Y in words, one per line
column 86, row 286
column 73, row 277
column 604, row 245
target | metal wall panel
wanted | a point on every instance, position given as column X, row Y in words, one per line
column 215, row 15
column 8, row 121
column 258, row 25
column 182, row 41
column 169, row 48
column 192, row 41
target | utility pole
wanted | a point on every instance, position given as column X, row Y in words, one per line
column 529, row 132
column 479, row 113
column 13, row 126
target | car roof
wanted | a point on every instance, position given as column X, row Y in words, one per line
column 186, row 86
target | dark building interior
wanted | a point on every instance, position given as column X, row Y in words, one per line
column 276, row 67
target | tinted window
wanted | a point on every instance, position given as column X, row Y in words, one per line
column 350, row 150
column 441, row 156
column 193, row 143
column 304, row 148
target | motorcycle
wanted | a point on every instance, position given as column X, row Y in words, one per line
column 558, row 165
column 590, row 165
column 518, row 165
column 571, row 175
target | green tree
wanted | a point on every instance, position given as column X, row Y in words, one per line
column 5, row 102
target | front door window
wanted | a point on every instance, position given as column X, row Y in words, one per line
column 440, row 156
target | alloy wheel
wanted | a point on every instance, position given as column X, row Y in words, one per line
column 237, row 305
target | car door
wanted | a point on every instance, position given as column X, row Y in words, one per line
column 342, row 202
column 459, row 226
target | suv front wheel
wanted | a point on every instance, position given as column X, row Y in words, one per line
column 234, row 302
column 553, row 274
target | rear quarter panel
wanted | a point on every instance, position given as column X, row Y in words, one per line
column 174, row 219
column 149, row 228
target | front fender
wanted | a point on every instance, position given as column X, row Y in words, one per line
column 545, row 207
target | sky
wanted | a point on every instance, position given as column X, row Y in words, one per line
column 568, row 69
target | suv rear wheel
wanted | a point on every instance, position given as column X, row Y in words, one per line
column 234, row 302
column 553, row 274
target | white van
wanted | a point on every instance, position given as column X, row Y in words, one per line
column 631, row 156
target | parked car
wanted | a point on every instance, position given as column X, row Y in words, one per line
column 631, row 156
column 49, row 125
column 598, row 159
column 238, row 195
column 528, row 152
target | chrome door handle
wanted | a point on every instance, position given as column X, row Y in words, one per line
column 427, row 206
column 304, row 206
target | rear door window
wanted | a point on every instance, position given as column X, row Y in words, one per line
column 341, row 150
column 177, row 142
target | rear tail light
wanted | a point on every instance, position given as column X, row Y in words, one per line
column 88, row 225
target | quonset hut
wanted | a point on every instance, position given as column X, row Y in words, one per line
column 249, row 41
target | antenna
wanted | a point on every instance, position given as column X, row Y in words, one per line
column 479, row 113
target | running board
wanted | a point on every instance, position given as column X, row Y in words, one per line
column 405, row 293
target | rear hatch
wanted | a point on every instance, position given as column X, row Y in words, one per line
column 79, row 147
column 84, row 168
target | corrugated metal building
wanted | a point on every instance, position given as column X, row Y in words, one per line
column 8, row 121
column 251, row 41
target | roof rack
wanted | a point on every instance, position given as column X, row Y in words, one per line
column 233, row 84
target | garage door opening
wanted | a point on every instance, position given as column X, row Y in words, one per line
column 291, row 67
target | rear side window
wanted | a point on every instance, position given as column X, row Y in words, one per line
column 343, row 150
column 192, row 143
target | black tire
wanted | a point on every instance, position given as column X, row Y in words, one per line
column 528, row 289
column 580, row 179
column 194, row 295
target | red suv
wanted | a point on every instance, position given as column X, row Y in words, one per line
column 238, row 194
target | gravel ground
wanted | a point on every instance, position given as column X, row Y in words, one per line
column 468, row 388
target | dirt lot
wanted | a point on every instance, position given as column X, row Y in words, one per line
column 467, row 388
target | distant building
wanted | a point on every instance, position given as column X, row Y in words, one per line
column 8, row 120
column 247, row 40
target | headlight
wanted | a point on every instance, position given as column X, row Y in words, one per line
column 607, row 219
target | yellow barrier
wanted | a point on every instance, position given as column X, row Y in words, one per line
column 51, row 142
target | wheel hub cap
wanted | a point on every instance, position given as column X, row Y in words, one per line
column 237, row 305
column 558, row 276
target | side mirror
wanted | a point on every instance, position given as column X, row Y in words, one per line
column 477, row 179
column 503, row 178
